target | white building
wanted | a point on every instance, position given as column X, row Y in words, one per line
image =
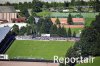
column 12, row 24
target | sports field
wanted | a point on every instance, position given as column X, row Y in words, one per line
column 65, row 15
column 38, row 49
column 77, row 30
column 88, row 21
column 95, row 63
column 85, row 15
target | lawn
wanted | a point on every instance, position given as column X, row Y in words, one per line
column 38, row 49
column 88, row 21
column 77, row 30
column 95, row 63
column 44, row 13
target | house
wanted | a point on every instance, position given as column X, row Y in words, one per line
column 7, row 13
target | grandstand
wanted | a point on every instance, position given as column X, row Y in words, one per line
column 6, row 37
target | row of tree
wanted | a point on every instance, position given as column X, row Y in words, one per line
column 22, row 31
column 43, row 26
column 40, row 4
column 89, row 43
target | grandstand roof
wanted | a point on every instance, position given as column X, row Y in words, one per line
column 3, row 32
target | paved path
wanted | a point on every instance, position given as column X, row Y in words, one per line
column 17, row 63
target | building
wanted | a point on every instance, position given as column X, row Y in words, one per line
column 6, row 37
column 7, row 13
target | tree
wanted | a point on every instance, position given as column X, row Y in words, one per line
column 20, row 6
column 37, row 5
column 74, row 34
column 59, row 33
column 69, row 20
column 33, row 14
column 73, row 2
column 31, row 20
column 25, row 12
column 48, row 24
column 36, row 9
column 96, row 23
column 39, row 24
column 73, row 51
column 82, row 2
column 57, row 22
column 29, row 5
column 28, row 30
column 97, row 5
column 63, row 32
column 66, row 4
column 47, row 5
column 15, row 29
column 69, row 33
column 25, row 4
column 53, row 29
column 89, row 41
column 43, row 28
column 22, row 30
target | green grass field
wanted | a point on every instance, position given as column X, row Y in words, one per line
column 88, row 21
column 44, row 14
column 77, row 30
column 95, row 63
column 38, row 49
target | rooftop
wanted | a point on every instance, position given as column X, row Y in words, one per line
column 3, row 32
column 7, row 9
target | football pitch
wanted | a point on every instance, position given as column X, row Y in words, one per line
column 38, row 49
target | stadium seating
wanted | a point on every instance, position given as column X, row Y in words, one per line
column 5, row 39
